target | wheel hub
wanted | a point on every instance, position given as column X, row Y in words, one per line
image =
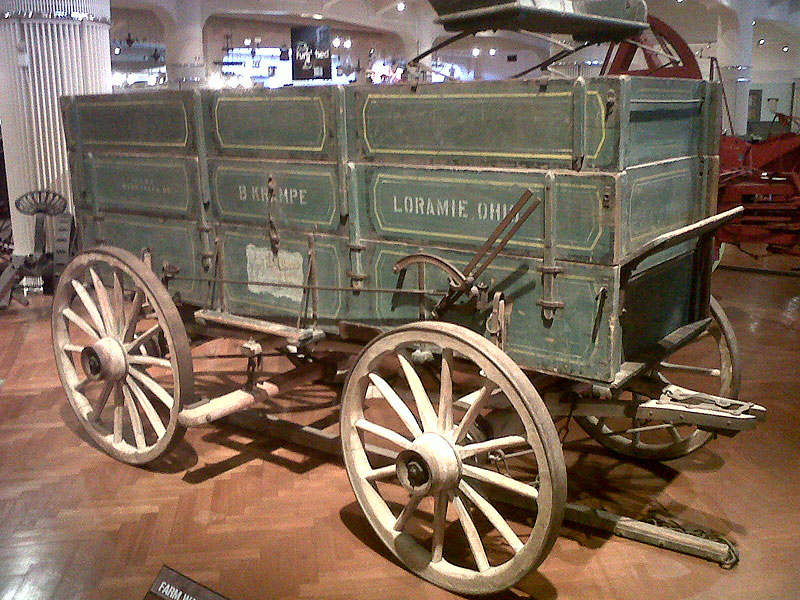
column 430, row 466
column 104, row 359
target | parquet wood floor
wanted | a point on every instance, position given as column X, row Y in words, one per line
column 256, row 519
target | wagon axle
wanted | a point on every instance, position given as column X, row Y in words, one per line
column 104, row 360
column 431, row 465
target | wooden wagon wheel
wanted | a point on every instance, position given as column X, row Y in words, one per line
column 429, row 498
column 122, row 354
column 664, row 441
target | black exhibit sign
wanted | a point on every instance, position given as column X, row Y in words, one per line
column 171, row 585
column 311, row 52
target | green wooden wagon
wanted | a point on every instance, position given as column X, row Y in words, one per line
column 479, row 259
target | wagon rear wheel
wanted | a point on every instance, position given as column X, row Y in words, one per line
column 122, row 354
column 711, row 364
column 428, row 478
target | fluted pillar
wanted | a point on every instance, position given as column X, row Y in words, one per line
column 186, row 65
column 48, row 49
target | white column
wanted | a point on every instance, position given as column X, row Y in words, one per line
column 48, row 49
column 186, row 66
column 735, row 53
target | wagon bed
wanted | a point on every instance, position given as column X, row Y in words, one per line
column 378, row 173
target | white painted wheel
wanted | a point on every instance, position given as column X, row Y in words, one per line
column 433, row 498
column 122, row 354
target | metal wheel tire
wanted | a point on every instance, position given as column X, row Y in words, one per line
column 675, row 441
column 109, row 313
column 449, row 530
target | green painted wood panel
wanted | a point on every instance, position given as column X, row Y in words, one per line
column 502, row 123
column 668, row 119
column 660, row 198
column 158, row 122
column 280, row 123
column 142, row 185
column 305, row 196
column 170, row 240
column 463, row 207
column 579, row 342
column 248, row 256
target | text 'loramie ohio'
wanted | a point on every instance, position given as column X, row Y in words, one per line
column 452, row 208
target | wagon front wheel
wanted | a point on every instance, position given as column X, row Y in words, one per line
column 710, row 364
column 444, row 440
column 122, row 354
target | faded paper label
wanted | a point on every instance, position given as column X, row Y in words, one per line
column 285, row 268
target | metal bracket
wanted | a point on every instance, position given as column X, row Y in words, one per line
column 578, row 123
column 549, row 269
column 498, row 321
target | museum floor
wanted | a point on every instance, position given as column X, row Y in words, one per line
column 255, row 519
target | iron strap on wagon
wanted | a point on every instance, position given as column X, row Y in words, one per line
column 476, row 259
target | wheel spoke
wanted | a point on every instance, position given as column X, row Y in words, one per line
column 496, row 444
column 381, row 473
column 118, row 410
column 501, row 481
column 406, row 513
column 118, row 303
column 637, row 436
column 383, row 432
column 81, row 323
column 439, row 523
column 150, row 361
column 445, row 421
column 97, row 409
column 472, row 413
column 676, row 435
column 78, row 387
column 397, row 404
column 494, row 517
column 426, row 413
column 691, row 369
column 90, row 306
column 136, row 420
column 154, row 387
column 72, row 348
column 147, row 407
column 134, row 345
column 471, row 532
column 133, row 319
column 109, row 321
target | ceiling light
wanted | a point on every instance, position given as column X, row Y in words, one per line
column 247, row 41
column 117, row 50
column 348, row 43
column 761, row 42
column 337, row 42
column 401, row 6
column 316, row 16
column 476, row 52
column 492, row 51
column 786, row 48
column 754, row 22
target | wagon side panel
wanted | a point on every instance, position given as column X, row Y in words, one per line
column 136, row 176
column 275, row 183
